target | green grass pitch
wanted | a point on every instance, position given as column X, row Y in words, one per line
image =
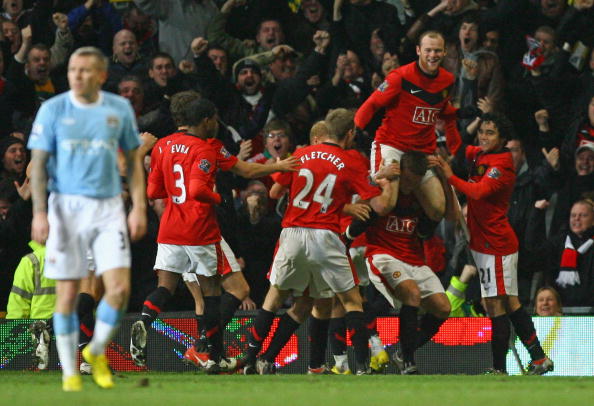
column 165, row 389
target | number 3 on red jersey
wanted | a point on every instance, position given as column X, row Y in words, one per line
column 322, row 194
column 179, row 183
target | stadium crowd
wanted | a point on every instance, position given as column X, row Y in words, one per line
column 273, row 68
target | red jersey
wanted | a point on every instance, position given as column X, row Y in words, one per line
column 177, row 160
column 346, row 220
column 413, row 101
column 327, row 179
column 396, row 233
column 489, row 190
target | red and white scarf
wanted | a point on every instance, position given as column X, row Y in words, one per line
column 569, row 276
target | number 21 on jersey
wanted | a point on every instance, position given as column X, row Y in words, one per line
column 322, row 194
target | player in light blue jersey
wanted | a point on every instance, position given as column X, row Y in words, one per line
column 74, row 143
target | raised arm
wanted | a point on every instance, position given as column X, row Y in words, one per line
column 253, row 170
column 475, row 191
column 384, row 95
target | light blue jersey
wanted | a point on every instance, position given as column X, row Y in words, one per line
column 83, row 140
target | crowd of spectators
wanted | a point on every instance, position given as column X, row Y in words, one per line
column 275, row 67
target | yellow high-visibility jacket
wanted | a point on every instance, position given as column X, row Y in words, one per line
column 33, row 296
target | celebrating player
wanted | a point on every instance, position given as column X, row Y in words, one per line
column 310, row 254
column 414, row 96
column 183, row 168
column 493, row 243
column 75, row 141
column 396, row 264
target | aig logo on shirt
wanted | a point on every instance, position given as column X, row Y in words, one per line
column 112, row 121
column 425, row 115
column 401, row 225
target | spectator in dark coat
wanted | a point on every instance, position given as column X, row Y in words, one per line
column 568, row 256
column 95, row 23
column 526, row 192
column 259, row 229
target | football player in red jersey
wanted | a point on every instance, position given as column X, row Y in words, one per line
column 397, row 267
column 183, row 167
column 311, row 258
column 493, row 243
column 414, row 97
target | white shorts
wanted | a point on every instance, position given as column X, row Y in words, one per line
column 190, row 277
column 206, row 260
column 80, row 226
column 312, row 261
column 389, row 154
column 498, row 274
column 357, row 255
column 387, row 272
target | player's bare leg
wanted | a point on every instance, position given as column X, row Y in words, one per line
column 355, row 321
column 152, row 306
column 432, row 198
column 66, row 330
column 109, row 312
column 318, row 335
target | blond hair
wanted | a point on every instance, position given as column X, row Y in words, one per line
column 318, row 131
column 102, row 61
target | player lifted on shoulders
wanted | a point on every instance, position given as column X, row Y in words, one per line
column 310, row 254
column 183, row 168
column 493, row 243
column 414, row 97
column 75, row 141
column 396, row 264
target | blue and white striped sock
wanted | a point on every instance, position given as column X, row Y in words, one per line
column 107, row 322
column 66, row 330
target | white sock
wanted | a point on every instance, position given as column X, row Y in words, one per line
column 67, row 346
column 376, row 345
column 341, row 361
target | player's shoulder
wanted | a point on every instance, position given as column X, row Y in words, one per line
column 218, row 146
column 354, row 155
column 214, row 143
column 161, row 142
column 301, row 149
column 408, row 68
column 446, row 75
column 503, row 157
column 472, row 149
column 56, row 102
column 118, row 102
column 396, row 74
